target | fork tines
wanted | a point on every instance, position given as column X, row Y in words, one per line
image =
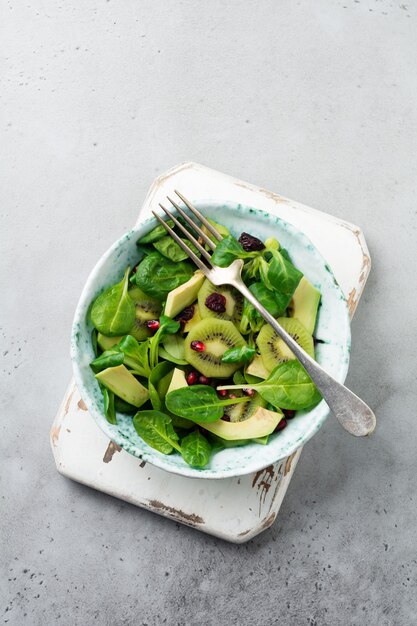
column 203, row 236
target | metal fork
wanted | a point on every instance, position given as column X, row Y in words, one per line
column 353, row 414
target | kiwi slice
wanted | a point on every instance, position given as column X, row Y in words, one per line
column 147, row 308
column 272, row 348
column 233, row 305
column 212, row 337
column 241, row 412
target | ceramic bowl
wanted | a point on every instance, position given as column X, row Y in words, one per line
column 333, row 328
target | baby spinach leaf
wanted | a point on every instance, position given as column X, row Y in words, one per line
column 287, row 387
column 108, row 399
column 174, row 344
column 109, row 358
column 156, row 233
column 168, row 326
column 158, row 372
column 181, row 422
column 113, row 312
column 199, row 403
column 94, row 342
column 195, row 449
column 238, row 378
column 172, row 250
column 229, row 249
column 122, row 406
column 156, row 430
column 157, row 275
column 238, row 355
column 169, row 357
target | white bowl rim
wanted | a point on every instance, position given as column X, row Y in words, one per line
column 153, row 456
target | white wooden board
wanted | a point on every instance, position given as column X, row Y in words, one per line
column 234, row 509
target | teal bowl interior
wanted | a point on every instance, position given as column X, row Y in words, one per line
column 333, row 328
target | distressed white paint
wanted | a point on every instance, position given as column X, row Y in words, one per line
column 235, row 509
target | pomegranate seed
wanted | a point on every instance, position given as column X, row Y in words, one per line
column 153, row 324
column 249, row 392
column 198, row 346
column 222, row 393
column 226, row 418
column 192, row 378
column 216, row 302
column 289, row 414
column 281, row 425
column 203, row 380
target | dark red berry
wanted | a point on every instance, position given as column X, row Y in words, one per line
column 249, row 392
column 281, row 425
column 250, row 243
column 222, row 392
column 216, row 302
column 198, row 346
column 153, row 324
column 289, row 414
column 186, row 315
column 192, row 378
column 203, row 380
column 226, row 418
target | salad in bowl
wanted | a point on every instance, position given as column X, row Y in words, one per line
column 189, row 376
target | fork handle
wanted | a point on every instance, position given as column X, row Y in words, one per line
column 354, row 415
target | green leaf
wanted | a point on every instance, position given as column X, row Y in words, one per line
column 267, row 298
column 113, row 312
column 157, row 275
column 109, row 409
column 287, row 387
column 158, row 372
column 94, row 342
column 109, row 358
column 195, row 449
column 156, row 233
column 168, row 326
column 156, row 430
column 238, row 355
column 282, row 275
column 229, row 249
column 172, row 250
column 136, row 354
column 122, row 406
column 169, row 357
column 199, row 403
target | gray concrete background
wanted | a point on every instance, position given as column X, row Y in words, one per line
column 315, row 100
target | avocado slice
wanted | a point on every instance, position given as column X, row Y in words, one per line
column 304, row 304
column 122, row 383
column 178, row 380
column 260, row 424
column 257, row 367
column 225, row 232
column 237, row 442
column 184, row 295
column 106, row 343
